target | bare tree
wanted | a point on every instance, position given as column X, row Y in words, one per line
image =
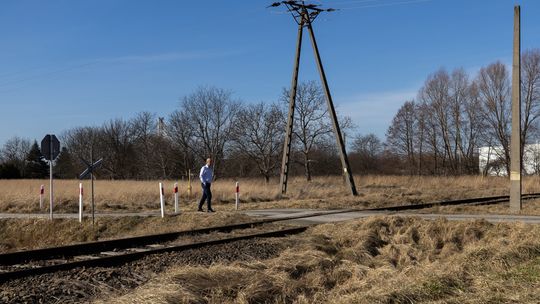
column 163, row 157
column 117, row 140
column 437, row 96
column 530, row 92
column 81, row 142
column 459, row 96
column 474, row 127
column 212, row 111
column 144, row 127
column 312, row 123
column 181, row 132
column 260, row 136
column 368, row 149
column 494, row 93
column 14, row 152
column 402, row 132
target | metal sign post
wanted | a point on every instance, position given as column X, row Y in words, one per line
column 50, row 148
column 90, row 168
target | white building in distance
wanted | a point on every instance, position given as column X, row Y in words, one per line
column 491, row 160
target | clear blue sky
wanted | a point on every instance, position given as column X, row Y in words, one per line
column 75, row 63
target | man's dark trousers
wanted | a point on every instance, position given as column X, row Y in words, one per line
column 207, row 195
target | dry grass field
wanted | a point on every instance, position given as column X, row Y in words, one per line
column 323, row 192
column 376, row 260
column 379, row 260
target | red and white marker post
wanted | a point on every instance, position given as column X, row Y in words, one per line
column 41, row 193
column 176, row 198
column 80, row 202
column 162, row 199
column 237, row 195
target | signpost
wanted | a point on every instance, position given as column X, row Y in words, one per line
column 50, row 148
column 90, row 167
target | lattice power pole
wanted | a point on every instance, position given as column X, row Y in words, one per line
column 304, row 15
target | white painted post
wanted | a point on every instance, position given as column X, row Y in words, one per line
column 80, row 202
column 41, row 193
column 237, row 195
column 176, row 198
column 162, row 199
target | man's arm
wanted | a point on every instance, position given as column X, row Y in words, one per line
column 201, row 175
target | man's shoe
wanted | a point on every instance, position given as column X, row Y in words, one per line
column 200, row 210
column 211, row 210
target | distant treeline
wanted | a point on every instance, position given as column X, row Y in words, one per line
column 244, row 139
column 439, row 133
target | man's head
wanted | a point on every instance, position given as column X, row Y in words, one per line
column 209, row 161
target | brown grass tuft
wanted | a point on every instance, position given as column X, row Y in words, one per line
column 379, row 260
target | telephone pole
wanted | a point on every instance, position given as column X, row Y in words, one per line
column 515, row 148
column 304, row 15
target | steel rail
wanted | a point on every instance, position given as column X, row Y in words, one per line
column 131, row 256
column 469, row 201
column 107, row 245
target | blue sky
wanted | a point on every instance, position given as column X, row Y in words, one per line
column 67, row 63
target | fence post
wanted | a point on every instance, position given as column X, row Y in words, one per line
column 175, row 197
column 41, row 193
column 80, row 202
column 237, row 195
column 162, row 199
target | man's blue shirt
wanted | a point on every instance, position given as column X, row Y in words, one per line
column 206, row 174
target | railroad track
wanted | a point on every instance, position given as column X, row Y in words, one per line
column 490, row 200
column 115, row 252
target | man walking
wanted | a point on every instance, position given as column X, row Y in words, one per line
column 206, row 181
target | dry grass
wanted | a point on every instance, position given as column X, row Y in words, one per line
column 530, row 207
column 322, row 192
column 17, row 234
column 380, row 260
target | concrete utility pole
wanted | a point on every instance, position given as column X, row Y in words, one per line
column 515, row 153
column 304, row 15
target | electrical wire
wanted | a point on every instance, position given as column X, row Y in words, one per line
column 384, row 4
column 37, row 76
column 346, row 2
